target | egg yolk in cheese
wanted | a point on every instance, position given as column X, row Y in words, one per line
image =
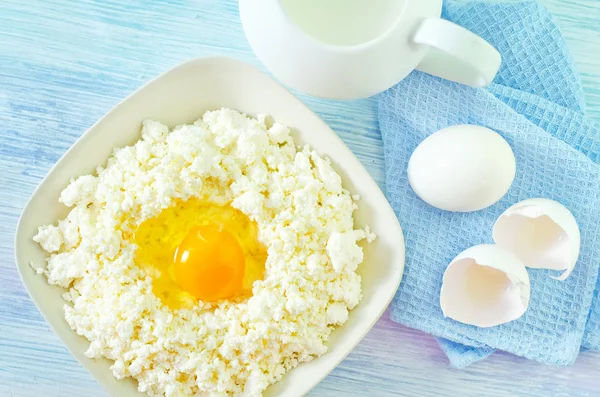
column 196, row 250
column 210, row 264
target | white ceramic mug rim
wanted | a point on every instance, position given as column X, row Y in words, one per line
column 344, row 48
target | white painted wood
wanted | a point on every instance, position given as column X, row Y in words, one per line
column 63, row 64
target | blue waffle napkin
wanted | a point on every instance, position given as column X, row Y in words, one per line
column 536, row 104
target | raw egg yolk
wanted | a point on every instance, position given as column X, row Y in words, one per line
column 197, row 251
column 209, row 264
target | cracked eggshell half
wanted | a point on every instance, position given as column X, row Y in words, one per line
column 542, row 233
column 485, row 286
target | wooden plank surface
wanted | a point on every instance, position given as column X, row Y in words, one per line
column 63, row 64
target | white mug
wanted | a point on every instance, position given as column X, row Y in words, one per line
column 346, row 49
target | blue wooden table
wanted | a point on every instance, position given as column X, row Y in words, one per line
column 63, row 64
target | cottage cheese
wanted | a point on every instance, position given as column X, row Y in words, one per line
column 304, row 217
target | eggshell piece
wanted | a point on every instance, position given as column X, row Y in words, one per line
column 462, row 168
column 485, row 286
column 542, row 233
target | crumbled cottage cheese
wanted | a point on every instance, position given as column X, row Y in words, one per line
column 304, row 217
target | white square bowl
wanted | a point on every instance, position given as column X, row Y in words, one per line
column 182, row 95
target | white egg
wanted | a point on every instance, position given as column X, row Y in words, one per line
column 485, row 286
column 462, row 168
column 542, row 233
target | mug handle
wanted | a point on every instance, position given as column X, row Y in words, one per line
column 456, row 54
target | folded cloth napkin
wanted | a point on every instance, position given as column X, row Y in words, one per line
column 536, row 104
